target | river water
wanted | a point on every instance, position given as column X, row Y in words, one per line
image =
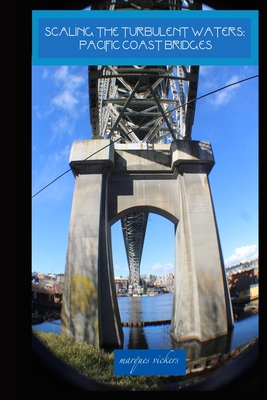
column 158, row 308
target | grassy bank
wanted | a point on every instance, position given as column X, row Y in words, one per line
column 94, row 363
column 98, row 365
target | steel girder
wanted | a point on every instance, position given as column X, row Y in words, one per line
column 142, row 104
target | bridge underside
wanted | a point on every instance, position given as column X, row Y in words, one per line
column 142, row 118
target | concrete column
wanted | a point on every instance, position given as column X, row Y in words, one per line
column 90, row 310
column 201, row 308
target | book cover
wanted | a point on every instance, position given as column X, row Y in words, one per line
column 145, row 192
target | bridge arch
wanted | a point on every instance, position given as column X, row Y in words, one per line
column 146, row 209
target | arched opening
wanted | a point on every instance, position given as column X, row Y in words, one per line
column 158, row 251
column 142, row 315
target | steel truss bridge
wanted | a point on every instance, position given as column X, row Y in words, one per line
column 143, row 105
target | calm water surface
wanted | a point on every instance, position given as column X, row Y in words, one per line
column 158, row 308
column 145, row 308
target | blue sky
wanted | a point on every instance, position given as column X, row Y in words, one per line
column 227, row 119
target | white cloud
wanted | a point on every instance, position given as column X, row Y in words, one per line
column 63, row 154
column 70, row 93
column 45, row 73
column 65, row 100
column 213, row 78
column 70, row 81
column 61, row 74
column 71, row 96
column 242, row 254
column 42, row 114
column 121, row 271
column 225, row 95
column 157, row 269
column 61, row 126
column 53, row 165
column 161, row 269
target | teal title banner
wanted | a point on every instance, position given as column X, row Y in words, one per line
column 145, row 37
column 150, row 362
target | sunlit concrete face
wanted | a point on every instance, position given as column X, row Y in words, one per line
column 171, row 180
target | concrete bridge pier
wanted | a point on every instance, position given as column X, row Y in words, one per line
column 171, row 180
column 90, row 302
column 201, row 305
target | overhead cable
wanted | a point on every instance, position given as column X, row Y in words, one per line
column 133, row 130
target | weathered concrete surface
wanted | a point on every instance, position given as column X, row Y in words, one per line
column 186, row 152
column 90, row 310
column 199, row 307
column 171, row 180
column 139, row 157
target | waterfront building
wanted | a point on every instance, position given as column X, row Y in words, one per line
column 121, row 285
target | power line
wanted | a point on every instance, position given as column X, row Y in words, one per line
column 170, row 111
